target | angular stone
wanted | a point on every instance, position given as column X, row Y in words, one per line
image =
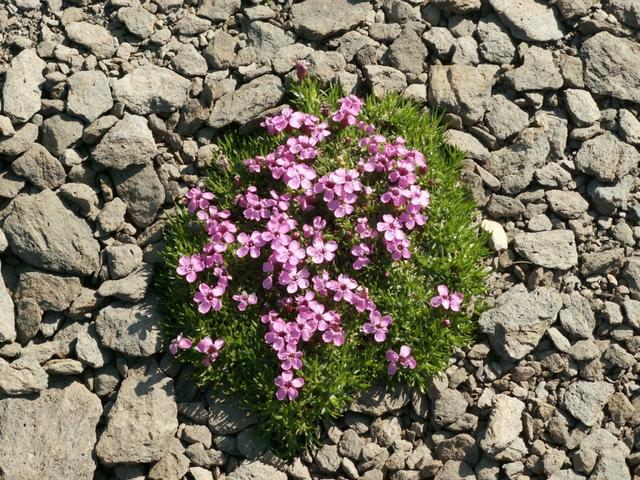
column 582, row 107
column 20, row 142
column 88, row 348
column 221, row 51
column 21, row 377
column 578, row 319
column 377, row 401
column 567, row 204
column 407, row 53
column 45, row 234
column 318, row 19
column 461, row 89
column 585, row 457
column 59, row 440
column 123, row 259
column 384, row 80
column 21, row 92
column 151, row 89
column 519, row 320
column 499, row 240
column 218, row 10
column 192, row 25
column 606, row 157
column 529, row 20
column 469, row 144
column 40, row 167
column 448, row 407
column 504, row 118
column 608, row 197
column 111, row 217
column 60, row 132
column 141, row 191
column 256, row 470
column 95, row 37
column 189, row 62
column 247, row 102
column 131, row 288
column 267, row 39
column 631, row 273
column 553, row 249
column 627, row 11
column 51, row 292
column 505, row 424
column 586, row 400
column 538, row 72
column 89, row 95
column 28, row 319
column 128, row 142
column 8, row 317
column 227, row 416
column 611, row 463
column 612, row 66
column 458, row 6
column 143, row 420
column 64, row 366
column 137, row 20
column 173, row 465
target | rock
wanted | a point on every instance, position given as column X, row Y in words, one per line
column 328, row 459
column 60, row 132
column 567, row 204
column 505, row 118
column 582, row 107
column 51, row 292
column 21, row 377
column 141, row 191
column 461, row 89
column 495, row 44
column 123, row 259
column 227, row 416
column 318, row 19
column 137, row 20
column 88, row 348
column 627, row 11
column 143, row 420
column 267, row 39
column 515, row 164
column 469, row 144
column 586, row 400
column 612, row 66
column 631, row 273
column 629, row 127
column 221, row 51
column 192, row 25
column 466, row 52
column 448, row 407
column 570, row 9
column 132, row 330
column 498, row 240
column 131, row 288
column 384, row 80
column 89, row 95
column 129, row 142
column 377, row 401
column 618, row 357
column 553, row 249
column 603, row 262
column 95, row 37
column 606, row 157
column 59, row 441
column 529, row 20
column 8, row 317
column 458, row 6
column 28, row 319
column 218, row 10
column 519, row 320
column 39, row 167
column 505, row 424
column 440, row 41
column 82, row 196
column 632, row 310
column 606, row 198
column 6, row 128
column 64, row 366
column 45, row 234
column 249, row 101
column 111, row 217
column 189, row 62
column 407, row 53
column 197, row 434
column 21, row 92
column 455, row 469
column 172, row 466
column 151, row 89
column 256, row 470
column 20, row 142
column 611, row 463
column 599, row 440
column 502, row 206
column 538, row 72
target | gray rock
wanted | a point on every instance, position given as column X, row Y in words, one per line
column 64, row 366
column 570, row 9
column 606, row 157
column 538, row 72
column 10, row 185
column 529, row 20
column 89, row 95
column 51, row 292
column 6, row 128
column 218, row 10
column 197, row 434
column 585, row 457
column 606, row 198
column 448, row 407
column 8, row 317
column 319, row 19
column 611, row 463
column 88, row 348
column 612, row 66
column 141, row 191
column 28, row 319
column 466, row 52
column 45, row 234
column 173, row 465
column 627, row 11
column 407, row 53
column 267, row 39
column 132, row 330
column 582, row 107
column 461, row 89
column 59, row 441
column 20, row 142
column 151, row 89
column 123, row 259
column 618, row 357
column 629, row 127
column 553, row 249
column 227, row 416
column 221, row 51
column 192, row 25
column 350, row 444
column 21, row 377
column 469, row 144
column 131, row 288
column 519, row 320
column 495, row 44
column 377, row 401
column 94, row 37
column 458, row 6
column 256, row 470
column 631, row 273
column 586, row 400
column 502, row 206
column 60, row 132
column 143, row 420
column 249, row 101
column 82, row 196
column 602, row 262
column 399, row 11
column 39, row 167
column 455, row 469
column 567, row 204
column 384, row 80
column 137, row 20
column 632, row 311
column 462, row 447
column 328, row 459
column 189, row 62
column 129, row 142
column 440, row 41
column 21, row 92
column 111, row 217
column 505, row 118
column 515, row 164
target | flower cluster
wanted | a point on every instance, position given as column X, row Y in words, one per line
column 295, row 233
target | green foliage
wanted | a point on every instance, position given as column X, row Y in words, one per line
column 449, row 250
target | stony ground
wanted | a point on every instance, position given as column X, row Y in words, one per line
column 109, row 111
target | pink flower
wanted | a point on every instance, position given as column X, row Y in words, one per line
column 290, row 254
column 320, row 252
column 361, row 251
column 399, row 249
column 404, row 358
column 282, row 333
column 290, row 358
column 320, row 283
column 294, row 279
column 198, row 199
column 446, row 300
column 391, row 227
column 349, row 110
column 244, row 300
column 208, row 298
column 301, row 69
column 378, row 325
column 189, row 267
column 250, row 244
column 180, row 343
column 342, row 288
column 331, row 326
column 211, row 349
column 288, row 386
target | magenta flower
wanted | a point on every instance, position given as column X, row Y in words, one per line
column 189, row 267
column 301, row 69
column 211, row 349
column 198, row 199
column 391, row 227
column 294, row 279
column 290, row 254
column 361, row 251
column 331, row 328
column 288, row 386
column 378, row 326
column 282, row 333
column 349, row 110
column 244, row 300
column 290, row 358
column 180, row 343
column 446, row 300
column 320, row 252
column 208, row 298
column 250, row 244
column 404, row 358
column 342, row 288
